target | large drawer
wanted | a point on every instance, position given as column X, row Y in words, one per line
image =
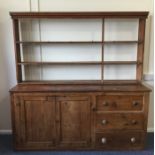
column 119, row 121
column 119, row 102
column 120, row 140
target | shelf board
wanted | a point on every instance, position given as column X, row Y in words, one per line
column 62, row 63
column 121, row 62
column 80, row 82
column 123, row 42
column 58, row 42
column 78, row 42
column 81, row 63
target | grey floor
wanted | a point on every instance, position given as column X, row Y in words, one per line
column 6, row 149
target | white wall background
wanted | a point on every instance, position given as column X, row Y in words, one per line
column 7, row 61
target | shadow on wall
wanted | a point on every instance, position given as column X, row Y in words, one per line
column 5, row 113
column 7, row 69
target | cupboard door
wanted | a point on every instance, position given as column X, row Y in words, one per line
column 34, row 121
column 73, row 121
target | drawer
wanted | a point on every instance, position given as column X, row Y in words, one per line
column 119, row 102
column 119, row 121
column 120, row 140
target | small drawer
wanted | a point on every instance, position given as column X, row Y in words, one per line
column 119, row 121
column 120, row 140
column 119, row 102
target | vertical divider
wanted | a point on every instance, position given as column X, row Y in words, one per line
column 30, row 37
column 140, row 49
column 102, row 52
column 40, row 39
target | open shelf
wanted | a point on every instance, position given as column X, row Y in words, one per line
column 99, row 47
column 78, row 42
column 81, row 82
column 123, row 42
column 82, row 63
column 61, row 63
column 121, row 62
column 58, row 42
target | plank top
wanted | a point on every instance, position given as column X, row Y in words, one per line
column 137, row 14
column 79, row 88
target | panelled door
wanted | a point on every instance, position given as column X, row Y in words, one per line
column 34, row 121
column 73, row 121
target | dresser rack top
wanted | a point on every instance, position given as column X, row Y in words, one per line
column 16, row 15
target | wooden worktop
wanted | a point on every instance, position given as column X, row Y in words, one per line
column 78, row 88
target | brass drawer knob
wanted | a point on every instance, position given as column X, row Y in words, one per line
column 134, row 122
column 103, row 140
column 135, row 103
column 133, row 140
column 105, row 103
column 104, row 122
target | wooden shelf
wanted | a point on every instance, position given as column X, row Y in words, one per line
column 78, row 42
column 123, row 42
column 82, row 63
column 121, row 62
column 62, row 63
column 80, row 82
column 58, row 42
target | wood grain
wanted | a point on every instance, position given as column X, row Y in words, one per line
column 74, row 118
column 120, row 102
column 120, row 121
column 17, row 15
column 116, row 140
column 60, row 120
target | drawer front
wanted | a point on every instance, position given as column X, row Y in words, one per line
column 119, row 121
column 119, row 102
column 120, row 140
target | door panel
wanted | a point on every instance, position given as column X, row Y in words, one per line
column 74, row 121
column 37, row 121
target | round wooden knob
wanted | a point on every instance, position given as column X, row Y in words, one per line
column 104, row 121
column 94, row 108
column 134, row 122
column 105, row 103
column 133, row 140
column 103, row 140
column 135, row 103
